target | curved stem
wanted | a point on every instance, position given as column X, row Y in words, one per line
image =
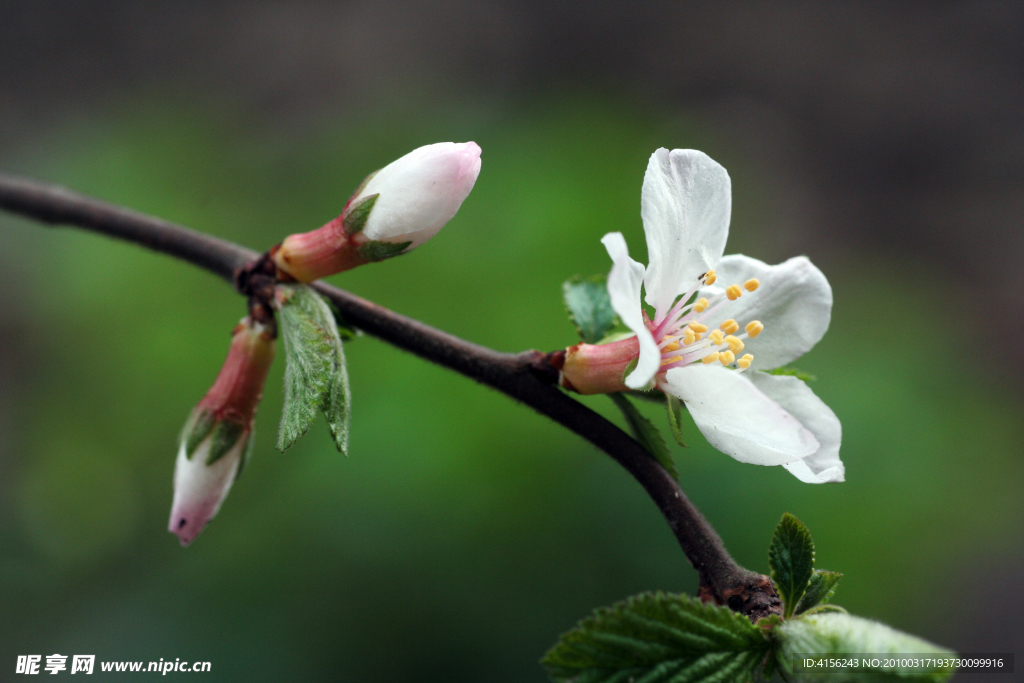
column 527, row 377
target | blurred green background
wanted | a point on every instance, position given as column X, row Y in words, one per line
column 465, row 532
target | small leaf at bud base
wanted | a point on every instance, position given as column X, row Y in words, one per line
column 378, row 251
column 405, row 203
column 216, row 438
column 353, row 219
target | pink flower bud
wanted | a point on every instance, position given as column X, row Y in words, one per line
column 214, row 442
column 397, row 209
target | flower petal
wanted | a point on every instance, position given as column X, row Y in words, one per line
column 794, row 303
column 199, row 488
column 737, row 418
column 796, row 397
column 624, row 282
column 420, row 192
column 685, row 205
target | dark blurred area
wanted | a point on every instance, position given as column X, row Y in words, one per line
column 884, row 140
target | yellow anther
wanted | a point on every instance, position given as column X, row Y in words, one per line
column 733, row 292
column 688, row 337
column 674, row 346
column 745, row 361
column 699, row 336
column 701, row 305
column 751, row 284
column 735, row 344
column 727, row 357
column 716, row 337
column 710, row 358
column 673, row 359
column 730, row 326
column 710, row 277
column 697, row 327
column 754, row 328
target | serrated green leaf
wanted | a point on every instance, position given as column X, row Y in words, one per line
column 833, row 634
column 315, row 376
column 645, row 432
column 589, row 307
column 793, row 372
column 791, row 558
column 658, row 638
column 355, row 217
column 674, row 407
column 819, row 590
column 375, row 250
column 336, row 406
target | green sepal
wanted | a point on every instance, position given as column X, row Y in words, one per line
column 224, row 437
column 832, row 634
column 674, row 408
column 630, row 367
column 658, row 637
column 198, row 426
column 362, row 186
column 375, row 250
column 792, row 372
column 651, row 396
column 820, row 590
column 315, row 376
column 791, row 558
column 243, row 462
column 354, row 219
column 589, row 307
column 645, row 432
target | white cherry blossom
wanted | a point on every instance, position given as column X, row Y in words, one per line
column 718, row 321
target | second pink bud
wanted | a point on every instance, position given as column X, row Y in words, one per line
column 397, row 209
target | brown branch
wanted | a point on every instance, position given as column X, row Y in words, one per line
column 527, row 377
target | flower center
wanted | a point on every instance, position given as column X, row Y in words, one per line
column 683, row 333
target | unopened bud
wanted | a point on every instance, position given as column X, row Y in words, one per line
column 396, row 209
column 215, row 441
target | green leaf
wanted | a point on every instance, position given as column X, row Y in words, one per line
column 375, row 250
column 336, row 406
column 791, row 558
column 658, row 638
column 793, row 372
column 819, row 590
column 355, row 217
column 645, row 432
column 838, row 635
column 315, row 376
column 589, row 307
column 674, row 408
